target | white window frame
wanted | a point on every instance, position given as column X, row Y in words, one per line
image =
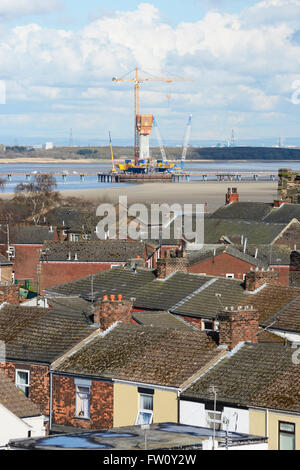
column 208, row 321
column 211, row 420
column 86, row 387
column 74, row 237
column 27, row 385
column 144, row 411
column 229, row 276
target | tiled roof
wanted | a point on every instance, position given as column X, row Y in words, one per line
column 209, row 251
column 160, row 319
column 74, row 219
column 93, row 251
column 255, row 232
column 160, row 356
column 270, row 254
column 284, row 214
column 28, row 235
column 244, row 210
column 245, row 375
column 113, row 281
column 164, row 294
column 36, row 334
column 287, row 318
column 209, row 302
column 14, row 400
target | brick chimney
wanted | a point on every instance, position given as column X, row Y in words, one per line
column 111, row 310
column 231, row 196
column 256, row 279
column 237, row 325
column 168, row 266
column 280, row 202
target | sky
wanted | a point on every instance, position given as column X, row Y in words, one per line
column 58, row 58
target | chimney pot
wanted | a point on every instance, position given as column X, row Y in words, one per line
column 112, row 298
column 120, row 297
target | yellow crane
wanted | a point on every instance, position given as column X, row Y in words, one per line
column 112, row 155
column 137, row 80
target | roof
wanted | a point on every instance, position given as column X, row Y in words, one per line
column 113, row 281
column 41, row 335
column 143, row 354
column 256, row 232
column 27, row 235
column 164, row 294
column 245, row 374
column 287, row 318
column 217, row 294
column 74, row 219
column 160, row 319
column 270, row 254
column 14, row 400
column 259, row 212
column 210, row 251
column 4, row 261
column 159, row 436
column 93, row 251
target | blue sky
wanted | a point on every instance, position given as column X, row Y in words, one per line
column 58, row 58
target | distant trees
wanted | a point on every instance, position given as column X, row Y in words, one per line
column 38, row 196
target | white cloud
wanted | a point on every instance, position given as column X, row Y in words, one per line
column 16, row 8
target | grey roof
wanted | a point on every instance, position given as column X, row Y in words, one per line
column 27, row 234
column 113, row 281
column 270, row 254
column 164, row 294
column 142, row 354
column 14, row 400
column 74, row 219
column 286, row 319
column 160, row 319
column 255, row 211
column 283, row 214
column 4, row 261
column 209, row 251
column 256, row 232
column 93, row 251
column 41, row 335
column 209, row 302
column 242, row 376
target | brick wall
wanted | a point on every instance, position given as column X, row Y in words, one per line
column 238, row 325
column 110, row 311
column 64, row 404
column 54, row 273
column 9, row 294
column 39, row 392
column 25, row 261
column 220, row 265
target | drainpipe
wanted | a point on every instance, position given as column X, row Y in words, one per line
column 51, row 406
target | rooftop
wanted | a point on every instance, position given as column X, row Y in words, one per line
column 14, row 400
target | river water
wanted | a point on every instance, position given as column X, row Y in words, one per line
column 18, row 171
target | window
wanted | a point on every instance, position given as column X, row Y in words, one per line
column 286, row 436
column 145, row 414
column 74, row 237
column 207, row 325
column 229, row 276
column 83, row 402
column 22, row 381
column 214, row 417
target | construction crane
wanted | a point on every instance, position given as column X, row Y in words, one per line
column 112, row 155
column 159, row 139
column 186, row 140
column 137, row 80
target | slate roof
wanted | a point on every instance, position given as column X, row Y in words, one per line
column 41, row 335
column 209, row 251
column 256, row 232
column 270, row 254
column 164, row 294
column 255, row 211
column 287, row 318
column 143, row 354
column 113, row 281
column 243, row 376
column 14, row 400
column 93, row 251
column 73, row 219
column 160, row 319
column 206, row 304
column 28, row 235
column 284, row 214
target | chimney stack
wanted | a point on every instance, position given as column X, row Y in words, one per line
column 238, row 325
column 111, row 310
column 168, row 266
column 231, row 196
column 256, row 279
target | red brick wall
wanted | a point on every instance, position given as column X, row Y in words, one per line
column 25, row 261
column 237, row 326
column 54, row 273
column 10, row 294
column 39, row 392
column 64, row 402
column 221, row 265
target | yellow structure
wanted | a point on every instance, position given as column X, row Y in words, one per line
column 267, row 423
column 127, row 405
